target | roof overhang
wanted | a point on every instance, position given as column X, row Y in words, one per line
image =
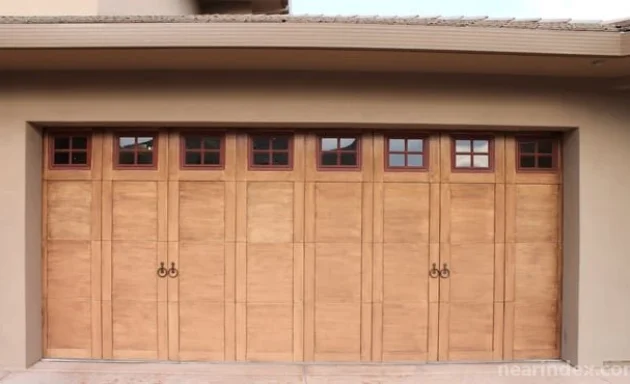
column 591, row 50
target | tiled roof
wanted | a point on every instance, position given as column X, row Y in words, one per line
column 485, row 22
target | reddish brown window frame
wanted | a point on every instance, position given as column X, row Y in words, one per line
column 136, row 135
column 339, row 152
column 70, row 135
column 472, row 137
column 536, row 139
column 183, row 150
column 269, row 167
column 406, row 153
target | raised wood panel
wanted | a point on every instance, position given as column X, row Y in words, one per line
column 270, row 273
column 338, row 212
column 270, row 212
column 69, row 209
column 201, row 211
column 135, row 329
column 69, row 322
column 535, row 330
column 133, row 271
column 406, row 213
column 537, row 213
column 468, row 213
column 69, row 269
column 405, row 273
column 201, row 330
column 135, row 211
column 338, row 273
column 472, row 273
column 405, row 330
column 202, row 268
column 270, row 332
column 338, row 331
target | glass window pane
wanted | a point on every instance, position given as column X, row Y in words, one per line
column 261, row 142
column 146, row 143
column 396, row 145
column 481, row 161
column 527, row 147
column 212, row 143
column 462, row 161
column 528, row 162
column 415, row 145
column 212, row 158
column 145, row 158
column 329, row 158
column 462, row 146
column 62, row 143
column 348, row 159
column 545, row 162
column 79, row 158
column 280, row 143
column 193, row 158
column 481, row 146
column 193, row 142
column 261, row 159
column 126, row 142
column 329, row 144
column 545, row 146
column 126, row 158
column 280, row 158
column 79, row 142
column 62, row 158
column 415, row 161
column 397, row 160
column 349, row 144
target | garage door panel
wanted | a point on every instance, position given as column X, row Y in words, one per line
column 338, row 212
column 472, row 273
column 536, row 272
column 471, row 327
column 537, row 218
column 202, row 267
column 406, row 213
column 69, row 269
column 535, row 326
column 202, row 211
column 135, row 211
column 270, row 332
column 405, row 276
column 338, row 273
column 133, row 270
column 468, row 213
column 405, row 328
column 270, row 273
column 69, row 325
column 134, row 329
column 201, row 330
column 338, row 329
column 69, row 210
column 269, row 212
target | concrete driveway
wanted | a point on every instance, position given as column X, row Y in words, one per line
column 48, row 372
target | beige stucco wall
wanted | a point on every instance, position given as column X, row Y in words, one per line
column 96, row 7
column 596, row 312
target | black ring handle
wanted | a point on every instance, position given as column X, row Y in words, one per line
column 162, row 271
column 173, row 272
column 445, row 273
column 434, row 272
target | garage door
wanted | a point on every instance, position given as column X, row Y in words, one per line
column 301, row 246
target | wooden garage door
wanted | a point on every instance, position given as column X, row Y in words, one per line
column 302, row 263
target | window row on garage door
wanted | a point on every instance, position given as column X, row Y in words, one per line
column 149, row 257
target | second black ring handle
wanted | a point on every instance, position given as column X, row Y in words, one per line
column 445, row 272
column 172, row 271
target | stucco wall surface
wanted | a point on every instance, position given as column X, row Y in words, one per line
column 596, row 285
